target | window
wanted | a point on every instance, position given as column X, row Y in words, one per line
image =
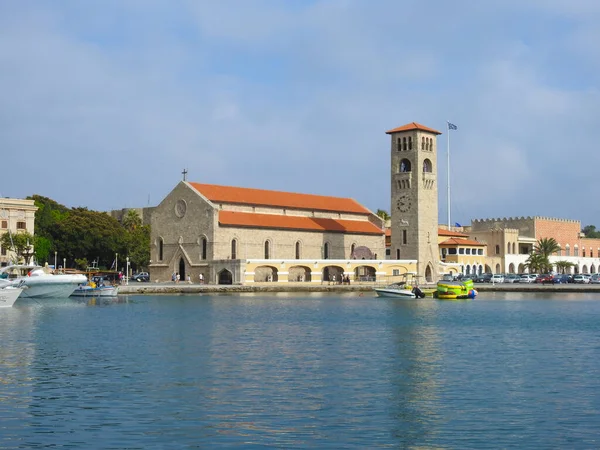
column 298, row 250
column 267, row 250
column 567, row 250
column 403, row 143
column 480, row 251
column 583, row 252
column 397, row 253
column 422, row 143
column 508, row 248
column 452, row 251
column 233, row 249
column 404, row 237
column 3, row 251
column 427, row 166
column 410, row 143
column 576, row 251
column 399, row 144
column 405, row 166
column 468, row 251
column 444, row 252
column 461, row 251
column 204, row 245
column 21, row 225
column 497, row 249
column 326, row 250
column 395, row 272
column 5, row 224
column 388, row 252
column 160, row 249
column 352, row 247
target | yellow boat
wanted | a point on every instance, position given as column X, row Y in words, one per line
column 455, row 290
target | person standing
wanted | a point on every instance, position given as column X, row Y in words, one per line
column 178, row 277
column 201, row 278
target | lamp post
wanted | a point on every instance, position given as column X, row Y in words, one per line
column 117, row 262
column 127, row 275
column 55, row 253
column 64, row 264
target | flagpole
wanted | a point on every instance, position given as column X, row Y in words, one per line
column 448, row 133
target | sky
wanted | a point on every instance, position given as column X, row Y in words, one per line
column 104, row 103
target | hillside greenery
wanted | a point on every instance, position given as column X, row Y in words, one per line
column 82, row 236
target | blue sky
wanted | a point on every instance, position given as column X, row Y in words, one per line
column 103, row 103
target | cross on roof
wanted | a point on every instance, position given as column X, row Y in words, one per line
column 184, row 174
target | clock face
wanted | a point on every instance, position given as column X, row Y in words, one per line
column 180, row 208
column 403, row 203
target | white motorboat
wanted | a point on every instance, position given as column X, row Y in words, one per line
column 8, row 294
column 395, row 290
column 87, row 290
column 39, row 284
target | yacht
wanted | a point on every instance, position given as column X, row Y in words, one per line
column 37, row 283
column 8, row 294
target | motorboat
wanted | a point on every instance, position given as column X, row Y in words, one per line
column 8, row 294
column 38, row 283
column 399, row 290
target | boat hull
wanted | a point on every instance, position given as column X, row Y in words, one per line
column 395, row 293
column 9, row 295
column 88, row 291
column 42, row 287
column 448, row 290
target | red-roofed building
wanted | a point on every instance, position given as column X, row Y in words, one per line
column 237, row 235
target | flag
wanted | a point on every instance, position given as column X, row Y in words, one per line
column 451, row 126
column 113, row 265
column 456, row 224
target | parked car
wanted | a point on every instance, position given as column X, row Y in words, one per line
column 511, row 278
column 527, row 278
column 483, row 278
column 581, row 279
column 545, row 279
column 557, row 279
column 566, row 278
column 142, row 277
column 595, row 279
column 497, row 278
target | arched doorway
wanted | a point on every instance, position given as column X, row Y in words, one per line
column 365, row 273
column 181, row 269
column 332, row 274
column 299, row 273
column 225, row 277
column 428, row 276
column 265, row 274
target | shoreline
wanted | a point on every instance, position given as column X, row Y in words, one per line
column 184, row 288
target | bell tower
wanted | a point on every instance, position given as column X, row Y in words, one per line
column 414, row 195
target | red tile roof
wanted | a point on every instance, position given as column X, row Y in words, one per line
column 444, row 232
column 412, row 126
column 455, row 241
column 261, row 197
column 242, row 219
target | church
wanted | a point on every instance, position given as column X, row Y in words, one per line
column 240, row 235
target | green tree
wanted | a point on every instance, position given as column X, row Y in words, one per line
column 42, row 249
column 562, row 266
column 21, row 243
column 546, row 247
column 536, row 263
column 383, row 214
column 590, row 231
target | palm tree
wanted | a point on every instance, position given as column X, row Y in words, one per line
column 546, row 247
column 562, row 266
column 536, row 263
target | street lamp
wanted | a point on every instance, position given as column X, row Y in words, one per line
column 64, row 264
column 55, row 253
column 127, row 275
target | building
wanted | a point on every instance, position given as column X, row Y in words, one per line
column 16, row 215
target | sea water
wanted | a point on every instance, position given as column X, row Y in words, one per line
column 301, row 371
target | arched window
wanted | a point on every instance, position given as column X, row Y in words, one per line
column 405, row 165
column 204, row 245
column 575, row 250
column 427, row 166
column 267, row 249
column 426, row 143
column 326, row 250
column 297, row 249
column 399, row 144
column 403, row 143
column 514, row 249
column 410, row 143
column 352, row 247
column 422, row 143
column 497, row 251
column 397, row 253
column 233, row 249
column 160, row 249
column 583, row 252
column 567, row 250
column 430, row 144
column 508, row 248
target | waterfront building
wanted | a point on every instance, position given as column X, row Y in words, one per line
column 16, row 215
column 511, row 240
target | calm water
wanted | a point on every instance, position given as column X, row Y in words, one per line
column 290, row 371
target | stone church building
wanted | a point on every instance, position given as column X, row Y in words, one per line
column 240, row 235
